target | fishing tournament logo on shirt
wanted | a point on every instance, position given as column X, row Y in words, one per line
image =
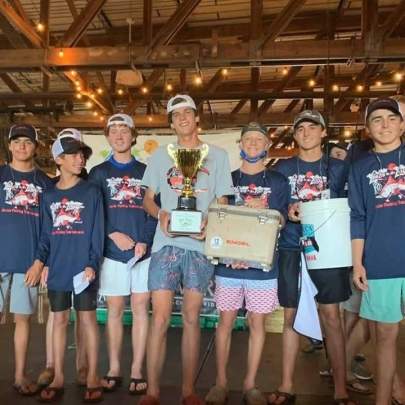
column 307, row 187
column 22, row 196
column 244, row 194
column 175, row 180
column 65, row 214
column 126, row 192
column 388, row 185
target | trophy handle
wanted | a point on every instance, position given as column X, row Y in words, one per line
column 203, row 154
column 171, row 150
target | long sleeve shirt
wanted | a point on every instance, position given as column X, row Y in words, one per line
column 123, row 205
column 72, row 234
column 309, row 181
column 20, row 202
column 377, row 202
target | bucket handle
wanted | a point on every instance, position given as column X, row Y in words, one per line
column 322, row 224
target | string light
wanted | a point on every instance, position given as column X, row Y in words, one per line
column 95, row 113
column 78, row 96
column 224, row 72
column 61, row 54
column 378, row 83
column 102, row 118
column 197, row 81
column 93, row 96
column 150, row 118
column 120, row 92
column 73, row 72
column 347, row 133
column 311, row 83
column 100, row 90
column 284, row 71
column 89, row 104
column 360, row 87
column 335, row 87
column 40, row 27
column 144, row 90
column 169, row 87
column 398, row 76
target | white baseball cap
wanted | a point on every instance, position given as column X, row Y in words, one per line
column 180, row 101
column 70, row 133
column 121, row 119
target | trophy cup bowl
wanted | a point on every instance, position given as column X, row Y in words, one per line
column 186, row 219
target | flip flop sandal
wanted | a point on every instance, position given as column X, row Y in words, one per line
column 149, row 400
column 344, row 401
column 254, row 397
column 24, row 389
column 55, row 392
column 111, row 379
column 355, row 386
column 46, row 377
column 137, row 382
column 88, row 395
column 289, row 398
column 217, row 396
column 192, row 399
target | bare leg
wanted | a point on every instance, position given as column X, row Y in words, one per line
column 81, row 358
column 291, row 342
column 335, row 344
column 190, row 344
column 398, row 388
column 386, row 349
column 21, row 339
column 257, row 337
column 115, row 332
column 60, row 323
column 140, row 324
column 350, row 321
column 49, row 345
column 223, row 338
column 156, row 352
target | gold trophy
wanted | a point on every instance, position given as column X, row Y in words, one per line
column 186, row 219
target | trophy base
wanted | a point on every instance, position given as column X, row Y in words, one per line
column 185, row 222
column 187, row 203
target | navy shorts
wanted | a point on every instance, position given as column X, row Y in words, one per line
column 333, row 284
column 171, row 266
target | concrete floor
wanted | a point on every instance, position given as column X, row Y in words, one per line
column 311, row 388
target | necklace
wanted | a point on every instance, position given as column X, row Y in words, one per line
column 379, row 159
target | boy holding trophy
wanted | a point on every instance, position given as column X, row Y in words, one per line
column 256, row 187
column 172, row 170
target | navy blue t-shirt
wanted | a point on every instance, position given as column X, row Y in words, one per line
column 377, row 202
column 309, row 181
column 20, row 201
column 72, row 233
column 270, row 186
column 123, row 205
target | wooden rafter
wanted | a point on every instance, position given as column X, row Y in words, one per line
column 147, row 22
column 369, row 23
column 393, row 20
column 281, row 21
column 81, row 23
column 175, row 23
column 14, row 38
column 44, row 19
column 24, row 26
column 10, row 83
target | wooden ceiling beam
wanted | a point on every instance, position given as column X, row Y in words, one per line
column 369, row 24
column 23, row 25
column 44, row 20
column 175, row 23
column 147, row 22
column 81, row 23
column 15, row 39
column 160, row 120
column 393, row 20
column 281, row 21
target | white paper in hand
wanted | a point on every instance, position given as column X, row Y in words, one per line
column 307, row 319
column 131, row 262
column 80, row 283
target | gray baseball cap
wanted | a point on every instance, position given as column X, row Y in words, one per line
column 311, row 116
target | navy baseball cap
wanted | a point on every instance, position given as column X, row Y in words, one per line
column 23, row 130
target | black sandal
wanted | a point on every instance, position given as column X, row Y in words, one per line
column 110, row 379
column 137, row 382
column 289, row 399
column 57, row 394
column 88, row 395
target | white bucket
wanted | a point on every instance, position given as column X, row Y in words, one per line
column 326, row 233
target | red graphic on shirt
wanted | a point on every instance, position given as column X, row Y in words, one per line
column 66, row 213
column 307, row 187
column 244, row 194
column 22, row 194
column 126, row 191
column 388, row 185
